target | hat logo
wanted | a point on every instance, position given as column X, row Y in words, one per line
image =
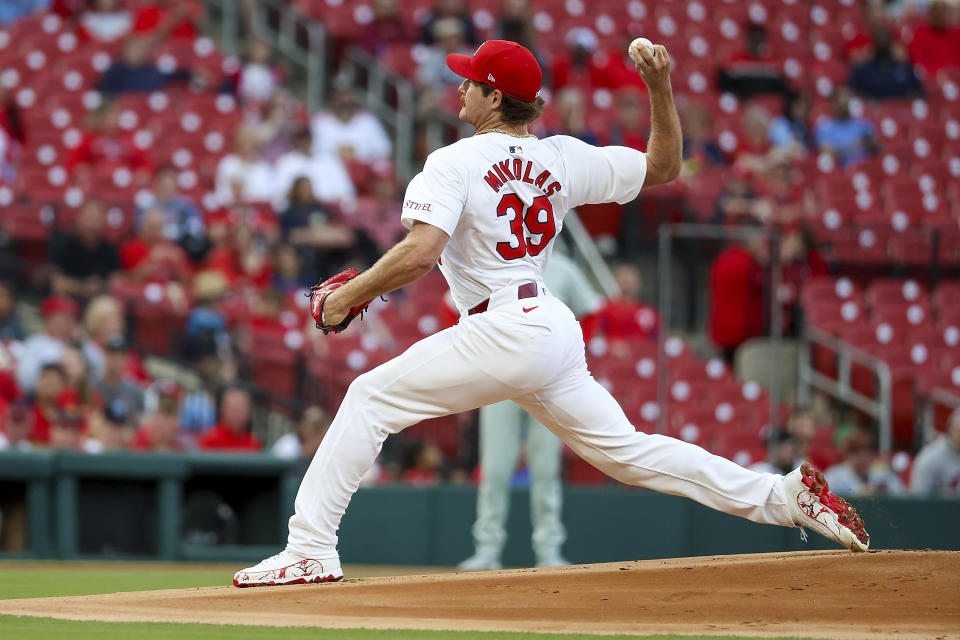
column 491, row 78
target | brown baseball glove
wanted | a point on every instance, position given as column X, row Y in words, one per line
column 318, row 294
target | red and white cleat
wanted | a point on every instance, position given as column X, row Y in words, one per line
column 289, row 568
column 814, row 506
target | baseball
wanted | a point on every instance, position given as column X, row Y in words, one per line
column 639, row 45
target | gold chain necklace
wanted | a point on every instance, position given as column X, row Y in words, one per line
column 508, row 133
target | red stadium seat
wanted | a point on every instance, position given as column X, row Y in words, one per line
column 895, row 291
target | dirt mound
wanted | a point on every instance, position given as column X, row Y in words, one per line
column 884, row 594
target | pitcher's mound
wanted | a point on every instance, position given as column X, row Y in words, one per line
column 817, row 594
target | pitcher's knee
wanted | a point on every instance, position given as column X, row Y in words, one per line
column 361, row 390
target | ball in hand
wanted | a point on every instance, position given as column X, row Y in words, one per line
column 638, row 45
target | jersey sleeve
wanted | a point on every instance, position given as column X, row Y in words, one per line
column 603, row 174
column 436, row 195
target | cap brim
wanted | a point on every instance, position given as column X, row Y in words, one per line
column 462, row 66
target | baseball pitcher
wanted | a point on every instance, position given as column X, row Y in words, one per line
column 486, row 209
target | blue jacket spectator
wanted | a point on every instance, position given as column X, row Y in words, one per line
column 848, row 138
column 790, row 130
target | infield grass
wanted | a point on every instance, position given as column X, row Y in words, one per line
column 35, row 580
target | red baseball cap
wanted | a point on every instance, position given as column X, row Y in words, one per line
column 503, row 65
column 59, row 304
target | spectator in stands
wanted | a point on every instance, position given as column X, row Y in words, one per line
column 105, row 144
column 163, row 19
column 448, row 37
column 516, row 23
column 17, row 427
column 183, row 221
column 737, row 294
column 109, row 430
column 232, row 432
column 629, row 128
column 347, row 131
column 13, row 11
column 738, row 200
column 859, row 47
column 753, row 146
column 886, row 73
column 105, row 21
column 936, row 44
column 862, row 472
column 103, row 319
column 700, row 150
column 160, row 429
column 754, row 70
column 848, row 138
column 626, row 317
column 573, row 67
column 150, row 256
column 134, row 73
column 303, row 443
column 51, row 383
column 379, row 213
column 573, row 115
column 199, row 410
column 421, row 463
column 802, row 427
column 11, row 327
column 782, row 458
column 79, row 386
column 800, row 262
column 448, row 9
column 289, row 276
column 259, row 79
column 44, row 348
column 116, row 385
column 324, row 244
column 385, row 29
column 244, row 259
column 936, row 470
column 205, row 331
column 587, row 65
column 66, row 430
column 781, row 188
column 274, row 123
column 790, row 130
column 242, row 176
column 83, row 260
column 326, row 174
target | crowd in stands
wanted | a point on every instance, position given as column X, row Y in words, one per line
column 194, row 192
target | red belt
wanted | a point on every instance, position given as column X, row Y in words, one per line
column 524, row 291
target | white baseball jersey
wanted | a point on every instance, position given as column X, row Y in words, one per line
column 502, row 200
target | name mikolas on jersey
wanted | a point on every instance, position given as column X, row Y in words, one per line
column 515, row 169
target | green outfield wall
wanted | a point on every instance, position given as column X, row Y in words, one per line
column 212, row 507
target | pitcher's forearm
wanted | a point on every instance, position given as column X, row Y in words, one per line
column 400, row 266
column 665, row 146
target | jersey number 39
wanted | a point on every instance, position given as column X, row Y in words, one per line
column 524, row 222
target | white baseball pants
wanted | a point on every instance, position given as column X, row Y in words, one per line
column 530, row 351
column 502, row 429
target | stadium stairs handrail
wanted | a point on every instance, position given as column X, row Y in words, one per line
column 841, row 389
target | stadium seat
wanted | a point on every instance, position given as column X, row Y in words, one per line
column 895, row 291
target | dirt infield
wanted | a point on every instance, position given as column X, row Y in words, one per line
column 884, row 594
